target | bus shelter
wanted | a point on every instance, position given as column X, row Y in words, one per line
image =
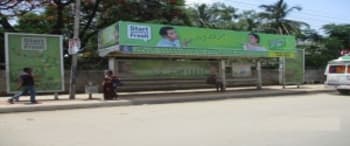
column 143, row 41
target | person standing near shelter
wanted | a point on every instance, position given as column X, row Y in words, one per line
column 219, row 84
column 108, row 87
column 116, row 83
column 26, row 84
column 217, row 81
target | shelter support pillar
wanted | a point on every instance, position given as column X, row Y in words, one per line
column 113, row 65
column 258, row 75
column 222, row 73
column 282, row 71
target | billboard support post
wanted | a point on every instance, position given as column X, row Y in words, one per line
column 258, row 75
column 283, row 71
column 112, row 64
column 56, row 96
column 223, row 74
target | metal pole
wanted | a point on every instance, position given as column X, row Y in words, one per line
column 56, row 96
column 223, row 74
column 112, row 64
column 258, row 75
column 74, row 65
column 283, row 67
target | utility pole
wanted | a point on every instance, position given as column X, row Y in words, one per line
column 74, row 66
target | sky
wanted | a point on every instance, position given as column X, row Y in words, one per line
column 314, row 12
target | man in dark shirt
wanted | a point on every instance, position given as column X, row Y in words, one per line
column 27, row 85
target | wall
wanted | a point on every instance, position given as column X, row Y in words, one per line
column 314, row 76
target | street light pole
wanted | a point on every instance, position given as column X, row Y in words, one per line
column 74, row 66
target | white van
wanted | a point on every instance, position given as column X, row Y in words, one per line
column 338, row 74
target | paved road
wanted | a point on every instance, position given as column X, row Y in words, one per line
column 310, row 120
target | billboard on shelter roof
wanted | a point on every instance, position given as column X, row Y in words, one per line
column 108, row 36
column 155, row 39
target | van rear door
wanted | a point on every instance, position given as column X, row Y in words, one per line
column 338, row 74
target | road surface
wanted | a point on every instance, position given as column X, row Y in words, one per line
column 303, row 120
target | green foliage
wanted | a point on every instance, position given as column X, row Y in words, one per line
column 275, row 16
column 34, row 23
column 217, row 15
column 340, row 32
column 163, row 11
column 249, row 21
column 320, row 50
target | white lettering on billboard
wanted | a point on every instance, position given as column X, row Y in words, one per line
column 139, row 32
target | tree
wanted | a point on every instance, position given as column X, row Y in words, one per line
column 47, row 16
column 275, row 18
column 340, row 32
column 35, row 23
column 321, row 49
column 217, row 15
column 163, row 11
column 249, row 21
column 312, row 43
column 10, row 9
column 338, row 39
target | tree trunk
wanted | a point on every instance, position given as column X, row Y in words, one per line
column 57, row 29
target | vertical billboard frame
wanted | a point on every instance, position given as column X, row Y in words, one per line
column 7, row 60
column 283, row 69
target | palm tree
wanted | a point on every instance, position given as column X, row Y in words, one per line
column 249, row 21
column 217, row 15
column 275, row 18
column 225, row 16
column 202, row 15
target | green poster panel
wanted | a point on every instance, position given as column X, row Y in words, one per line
column 157, row 39
column 108, row 36
column 294, row 68
column 149, row 69
column 150, row 35
column 42, row 53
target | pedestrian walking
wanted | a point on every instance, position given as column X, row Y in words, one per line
column 26, row 84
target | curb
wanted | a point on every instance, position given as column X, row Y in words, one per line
column 156, row 100
column 222, row 97
column 63, row 107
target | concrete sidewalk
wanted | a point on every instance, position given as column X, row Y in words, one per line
column 47, row 102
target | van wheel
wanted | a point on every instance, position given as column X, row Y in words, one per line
column 343, row 91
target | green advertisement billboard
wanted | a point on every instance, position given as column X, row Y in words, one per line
column 169, row 69
column 155, row 39
column 42, row 53
column 108, row 36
